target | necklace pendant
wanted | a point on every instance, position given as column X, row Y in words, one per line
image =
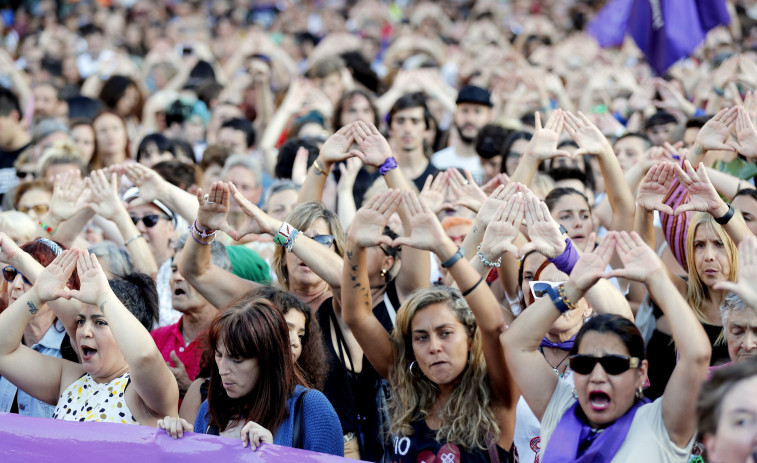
column 557, row 372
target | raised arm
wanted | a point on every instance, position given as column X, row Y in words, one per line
column 106, row 203
column 218, row 286
column 367, row 231
column 704, row 198
column 39, row 375
column 322, row 260
column 543, row 145
column 713, row 135
column 681, row 394
column 336, row 148
column 533, row 376
column 152, row 186
column 429, row 234
column 744, row 287
column 415, row 269
column 153, row 381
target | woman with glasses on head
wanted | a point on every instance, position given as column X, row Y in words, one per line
column 44, row 333
column 605, row 417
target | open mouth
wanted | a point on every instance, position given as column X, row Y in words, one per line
column 599, row 400
column 179, row 292
column 578, row 238
column 87, row 352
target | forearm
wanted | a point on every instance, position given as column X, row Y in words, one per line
column 603, row 297
column 346, row 208
column 323, row 261
column 736, row 226
column 726, row 184
column 140, row 252
column 180, row 202
column 473, row 239
column 356, row 304
column 15, row 318
column 526, row 170
column 315, row 181
column 133, row 340
column 644, row 226
column 696, row 154
column 618, row 193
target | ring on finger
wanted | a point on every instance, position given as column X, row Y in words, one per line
column 466, row 182
column 206, row 197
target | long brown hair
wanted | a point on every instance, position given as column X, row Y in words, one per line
column 252, row 328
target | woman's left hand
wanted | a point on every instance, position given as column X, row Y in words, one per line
column 499, row 235
column 367, row 228
column 702, row 195
column 744, row 288
column 640, row 262
column 255, row 435
column 94, row 282
column 590, row 267
column 175, row 426
column 258, row 223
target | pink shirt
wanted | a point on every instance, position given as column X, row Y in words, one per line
column 168, row 338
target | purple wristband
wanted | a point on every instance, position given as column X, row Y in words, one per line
column 388, row 165
column 565, row 261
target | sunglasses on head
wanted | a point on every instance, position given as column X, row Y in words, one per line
column 612, row 364
column 539, row 288
column 10, row 272
column 149, row 220
column 326, row 240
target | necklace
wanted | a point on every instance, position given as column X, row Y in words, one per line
column 555, row 368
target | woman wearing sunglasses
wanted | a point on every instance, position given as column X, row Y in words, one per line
column 122, row 377
column 605, row 417
column 44, row 333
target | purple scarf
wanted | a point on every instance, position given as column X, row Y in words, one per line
column 572, row 431
column 565, row 345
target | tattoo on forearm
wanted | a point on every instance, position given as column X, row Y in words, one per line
column 32, row 308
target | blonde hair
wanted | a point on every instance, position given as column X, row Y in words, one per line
column 18, row 226
column 697, row 292
column 302, row 217
column 467, row 419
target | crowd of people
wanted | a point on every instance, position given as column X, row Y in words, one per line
column 390, row 231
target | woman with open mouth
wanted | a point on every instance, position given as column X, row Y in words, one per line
column 122, row 377
column 605, row 416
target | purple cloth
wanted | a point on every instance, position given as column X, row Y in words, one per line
column 665, row 30
column 388, row 165
column 26, row 439
column 572, row 431
column 565, row 261
column 565, row 345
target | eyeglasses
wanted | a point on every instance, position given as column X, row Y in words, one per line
column 39, row 209
column 149, row 220
column 10, row 272
column 326, row 240
column 539, row 288
column 612, row 364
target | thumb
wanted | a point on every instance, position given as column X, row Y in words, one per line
column 664, row 208
column 402, row 241
column 526, row 248
column 724, row 147
column 72, row 294
column 726, row 286
column 62, row 293
column 175, row 359
column 383, row 239
column 684, row 208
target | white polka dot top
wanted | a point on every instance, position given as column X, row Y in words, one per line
column 87, row 400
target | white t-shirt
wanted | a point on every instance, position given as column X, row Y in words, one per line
column 647, row 439
column 448, row 157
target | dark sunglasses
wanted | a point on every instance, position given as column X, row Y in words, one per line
column 326, row 240
column 149, row 220
column 10, row 272
column 612, row 364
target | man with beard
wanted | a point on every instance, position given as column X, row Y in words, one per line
column 473, row 112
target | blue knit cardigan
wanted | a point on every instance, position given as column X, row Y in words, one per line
column 323, row 431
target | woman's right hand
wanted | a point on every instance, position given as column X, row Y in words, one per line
column 655, row 186
column 214, row 207
column 94, row 283
column 543, row 232
column 640, row 262
column 8, row 249
column 747, row 272
column 254, row 434
column 175, row 426
column 258, row 221
column 590, row 267
column 51, row 282
column 426, row 233
column 367, row 228
column 499, row 235
column 151, row 185
column 104, row 199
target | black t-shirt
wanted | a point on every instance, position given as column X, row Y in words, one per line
column 422, row 446
column 419, row 180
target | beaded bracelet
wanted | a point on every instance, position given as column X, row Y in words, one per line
column 561, row 291
column 487, row 262
column 200, row 242
column 50, row 230
column 203, row 233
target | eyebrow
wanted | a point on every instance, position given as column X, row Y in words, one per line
column 436, row 328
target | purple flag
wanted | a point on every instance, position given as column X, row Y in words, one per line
column 24, row 440
column 665, row 30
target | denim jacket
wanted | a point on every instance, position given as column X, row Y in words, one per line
column 27, row 405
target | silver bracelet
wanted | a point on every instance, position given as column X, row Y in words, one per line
column 485, row 261
column 126, row 243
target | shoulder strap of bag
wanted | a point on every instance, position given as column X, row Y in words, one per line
column 298, row 425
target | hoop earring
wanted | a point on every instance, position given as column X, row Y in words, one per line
column 383, row 272
column 410, row 370
column 574, row 393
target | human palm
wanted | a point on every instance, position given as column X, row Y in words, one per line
column 747, row 274
column 373, row 145
column 214, row 208
column 92, row 279
column 654, row 188
column 498, row 239
column 52, row 280
column 546, row 239
column 713, row 134
column 367, row 228
column 337, row 146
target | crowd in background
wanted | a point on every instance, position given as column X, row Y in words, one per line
column 392, row 231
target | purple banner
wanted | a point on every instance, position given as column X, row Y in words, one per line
column 665, row 30
column 24, row 440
